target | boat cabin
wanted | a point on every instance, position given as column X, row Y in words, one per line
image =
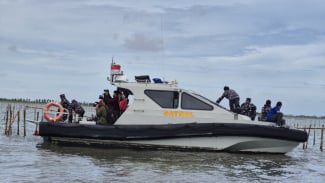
column 160, row 102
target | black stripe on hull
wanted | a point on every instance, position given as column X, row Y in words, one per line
column 147, row 132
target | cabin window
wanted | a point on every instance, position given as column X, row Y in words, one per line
column 166, row 99
column 190, row 102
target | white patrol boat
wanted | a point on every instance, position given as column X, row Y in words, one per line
column 162, row 115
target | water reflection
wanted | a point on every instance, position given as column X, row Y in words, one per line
column 22, row 162
column 249, row 167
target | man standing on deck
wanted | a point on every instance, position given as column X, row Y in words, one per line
column 233, row 98
column 77, row 109
column 67, row 106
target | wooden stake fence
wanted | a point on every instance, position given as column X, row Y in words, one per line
column 10, row 118
column 314, row 128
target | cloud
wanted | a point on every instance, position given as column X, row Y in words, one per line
column 141, row 42
column 263, row 49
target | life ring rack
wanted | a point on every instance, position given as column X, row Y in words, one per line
column 46, row 111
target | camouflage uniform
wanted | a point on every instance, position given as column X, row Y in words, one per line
column 77, row 108
column 249, row 110
column 265, row 109
column 101, row 113
column 67, row 106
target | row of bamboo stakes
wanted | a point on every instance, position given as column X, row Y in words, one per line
column 11, row 115
column 305, row 144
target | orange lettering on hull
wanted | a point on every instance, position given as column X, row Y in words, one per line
column 178, row 114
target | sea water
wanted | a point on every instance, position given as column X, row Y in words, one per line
column 29, row 159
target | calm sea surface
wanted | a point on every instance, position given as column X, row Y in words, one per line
column 29, row 159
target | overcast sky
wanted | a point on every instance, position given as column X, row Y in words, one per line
column 264, row 49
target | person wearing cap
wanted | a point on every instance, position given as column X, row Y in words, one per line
column 265, row 109
column 233, row 98
column 113, row 102
column 274, row 115
column 101, row 113
column 67, row 106
column 77, row 108
column 248, row 109
column 106, row 96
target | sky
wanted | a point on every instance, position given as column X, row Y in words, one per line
column 263, row 49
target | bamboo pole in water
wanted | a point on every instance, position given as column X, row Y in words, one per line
column 36, row 127
column 9, row 121
column 24, row 122
column 308, row 135
column 37, row 116
column 304, row 144
column 18, row 120
column 7, row 118
column 11, row 118
column 321, row 138
column 314, row 134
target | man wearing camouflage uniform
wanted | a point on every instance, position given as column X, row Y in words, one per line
column 265, row 110
column 248, row 109
column 77, row 108
column 67, row 106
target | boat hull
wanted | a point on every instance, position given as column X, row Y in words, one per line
column 228, row 144
column 192, row 136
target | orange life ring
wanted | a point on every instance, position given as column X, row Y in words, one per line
column 46, row 111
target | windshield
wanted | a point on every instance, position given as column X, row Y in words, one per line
column 204, row 98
